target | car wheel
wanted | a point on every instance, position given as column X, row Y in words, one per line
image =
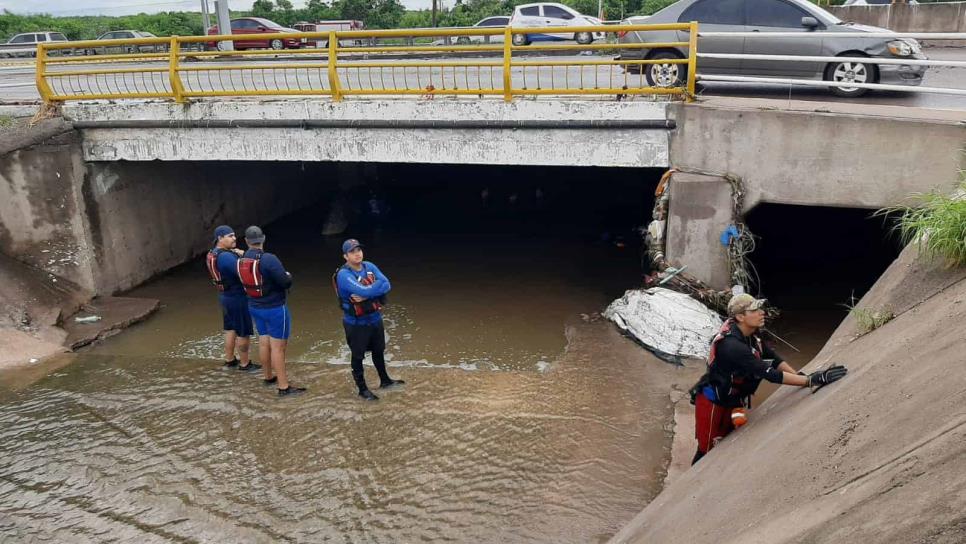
column 277, row 44
column 850, row 72
column 463, row 40
column 665, row 75
column 584, row 38
column 521, row 39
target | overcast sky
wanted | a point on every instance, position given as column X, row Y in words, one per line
column 128, row 7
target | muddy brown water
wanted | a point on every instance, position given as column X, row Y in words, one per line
column 526, row 418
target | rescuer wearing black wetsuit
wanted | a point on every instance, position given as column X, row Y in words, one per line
column 738, row 362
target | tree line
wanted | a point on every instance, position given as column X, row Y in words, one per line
column 374, row 13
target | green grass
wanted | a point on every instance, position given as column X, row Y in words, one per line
column 937, row 222
column 6, row 121
column 870, row 319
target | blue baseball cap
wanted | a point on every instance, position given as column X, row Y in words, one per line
column 222, row 230
column 350, row 244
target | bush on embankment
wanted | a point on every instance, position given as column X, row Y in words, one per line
column 936, row 221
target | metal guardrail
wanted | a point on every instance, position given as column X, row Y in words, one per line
column 340, row 71
column 811, row 58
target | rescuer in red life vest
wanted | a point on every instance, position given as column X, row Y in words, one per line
column 739, row 360
column 361, row 288
column 265, row 282
column 221, row 262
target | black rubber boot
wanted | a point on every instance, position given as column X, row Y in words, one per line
column 368, row 395
column 231, row 364
column 379, row 361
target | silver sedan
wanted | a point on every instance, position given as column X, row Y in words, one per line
column 774, row 16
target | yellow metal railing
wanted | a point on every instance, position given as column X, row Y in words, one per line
column 387, row 63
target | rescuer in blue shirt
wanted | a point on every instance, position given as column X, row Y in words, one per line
column 265, row 282
column 237, row 322
column 362, row 288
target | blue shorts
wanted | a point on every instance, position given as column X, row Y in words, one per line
column 235, row 315
column 273, row 322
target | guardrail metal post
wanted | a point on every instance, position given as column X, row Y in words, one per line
column 42, row 86
column 174, row 51
column 507, row 55
column 333, row 73
column 692, row 59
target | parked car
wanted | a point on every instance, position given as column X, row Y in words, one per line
column 121, row 49
column 544, row 14
column 25, row 45
column 497, row 21
column 775, row 16
column 329, row 26
column 253, row 27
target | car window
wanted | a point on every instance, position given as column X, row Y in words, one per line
column 58, row 37
column 239, row 24
column 532, row 10
column 41, row 37
column 494, row 21
column 775, row 13
column 557, row 13
column 718, row 12
column 22, row 38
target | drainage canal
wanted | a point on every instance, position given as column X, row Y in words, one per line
column 525, row 417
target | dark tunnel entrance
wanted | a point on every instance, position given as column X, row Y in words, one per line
column 488, row 264
column 812, row 262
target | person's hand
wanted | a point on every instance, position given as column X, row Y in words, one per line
column 357, row 298
column 818, row 380
column 238, row 252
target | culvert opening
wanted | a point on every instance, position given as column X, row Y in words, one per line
column 812, row 262
column 488, row 264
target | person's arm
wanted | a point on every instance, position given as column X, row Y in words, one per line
column 381, row 285
column 228, row 265
column 272, row 267
column 348, row 284
column 744, row 360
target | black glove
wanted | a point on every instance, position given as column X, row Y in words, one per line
column 818, row 380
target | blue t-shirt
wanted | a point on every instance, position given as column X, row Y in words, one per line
column 349, row 282
column 276, row 280
column 227, row 266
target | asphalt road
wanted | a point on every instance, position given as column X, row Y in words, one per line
column 17, row 80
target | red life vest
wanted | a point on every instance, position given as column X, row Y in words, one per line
column 211, row 260
column 358, row 309
column 249, row 271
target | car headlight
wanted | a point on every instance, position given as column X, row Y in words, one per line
column 900, row 48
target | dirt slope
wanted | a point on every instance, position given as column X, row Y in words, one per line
column 879, row 457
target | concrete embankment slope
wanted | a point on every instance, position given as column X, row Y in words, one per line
column 878, row 457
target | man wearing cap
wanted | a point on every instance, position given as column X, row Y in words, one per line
column 222, row 263
column 265, row 281
column 361, row 288
column 739, row 360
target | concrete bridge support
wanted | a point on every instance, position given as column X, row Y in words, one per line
column 700, row 210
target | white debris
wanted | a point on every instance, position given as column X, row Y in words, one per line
column 666, row 321
column 88, row 319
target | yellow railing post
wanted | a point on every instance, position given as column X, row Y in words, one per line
column 333, row 73
column 45, row 91
column 692, row 59
column 174, row 52
column 507, row 55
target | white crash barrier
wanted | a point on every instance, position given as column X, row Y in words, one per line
column 666, row 321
